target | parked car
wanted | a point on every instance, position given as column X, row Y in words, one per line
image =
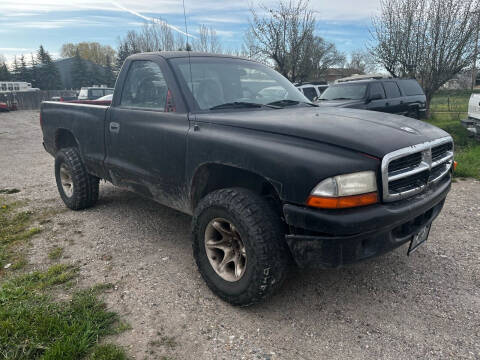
column 8, row 102
column 266, row 180
column 312, row 90
column 4, row 107
column 395, row 96
column 93, row 93
column 472, row 122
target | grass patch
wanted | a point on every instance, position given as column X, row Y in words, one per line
column 33, row 325
column 15, row 228
column 55, row 253
column 467, row 149
column 108, row 352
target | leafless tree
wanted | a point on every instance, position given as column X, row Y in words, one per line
column 284, row 36
column 362, row 61
column 431, row 40
column 158, row 36
column 207, row 41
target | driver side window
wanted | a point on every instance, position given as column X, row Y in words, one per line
column 145, row 87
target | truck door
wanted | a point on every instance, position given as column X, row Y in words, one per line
column 395, row 102
column 146, row 138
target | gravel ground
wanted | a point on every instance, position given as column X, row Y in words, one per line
column 393, row 307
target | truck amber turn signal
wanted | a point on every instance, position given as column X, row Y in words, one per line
column 343, row 201
column 455, row 165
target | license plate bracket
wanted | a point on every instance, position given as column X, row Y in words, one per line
column 419, row 238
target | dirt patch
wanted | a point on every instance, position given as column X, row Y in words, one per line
column 422, row 306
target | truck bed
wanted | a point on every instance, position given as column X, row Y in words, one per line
column 87, row 122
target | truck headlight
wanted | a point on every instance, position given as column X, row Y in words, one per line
column 345, row 191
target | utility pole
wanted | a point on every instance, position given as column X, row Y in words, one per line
column 475, row 52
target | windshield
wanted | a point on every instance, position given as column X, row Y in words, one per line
column 345, row 92
column 236, row 82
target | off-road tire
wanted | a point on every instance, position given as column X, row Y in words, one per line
column 261, row 231
column 85, row 186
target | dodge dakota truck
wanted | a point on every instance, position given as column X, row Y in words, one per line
column 270, row 179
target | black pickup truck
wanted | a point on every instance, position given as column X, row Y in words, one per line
column 269, row 177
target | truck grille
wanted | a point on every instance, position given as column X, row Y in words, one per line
column 408, row 171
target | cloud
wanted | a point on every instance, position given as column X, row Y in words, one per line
column 153, row 20
column 6, row 49
column 325, row 10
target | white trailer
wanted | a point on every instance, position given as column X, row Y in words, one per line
column 15, row 86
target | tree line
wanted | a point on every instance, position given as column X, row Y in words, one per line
column 41, row 71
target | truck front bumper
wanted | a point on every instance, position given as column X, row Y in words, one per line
column 332, row 238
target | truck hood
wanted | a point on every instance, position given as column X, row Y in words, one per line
column 370, row 132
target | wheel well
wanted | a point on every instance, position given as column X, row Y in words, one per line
column 64, row 138
column 213, row 177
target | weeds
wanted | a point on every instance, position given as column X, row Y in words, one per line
column 33, row 325
column 55, row 253
column 15, row 229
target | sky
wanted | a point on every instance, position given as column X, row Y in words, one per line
column 25, row 24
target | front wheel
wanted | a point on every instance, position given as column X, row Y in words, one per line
column 77, row 188
column 239, row 246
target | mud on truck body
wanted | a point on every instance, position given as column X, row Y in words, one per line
column 269, row 178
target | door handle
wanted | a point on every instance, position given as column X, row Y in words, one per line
column 114, row 127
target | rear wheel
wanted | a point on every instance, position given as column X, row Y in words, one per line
column 239, row 246
column 414, row 113
column 77, row 188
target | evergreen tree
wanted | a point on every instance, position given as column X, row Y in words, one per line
column 15, row 69
column 42, row 55
column 47, row 74
column 122, row 54
column 33, row 72
column 80, row 76
column 53, row 79
column 109, row 76
column 24, row 71
column 5, row 73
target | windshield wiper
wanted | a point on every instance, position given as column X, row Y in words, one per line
column 342, row 98
column 288, row 102
column 242, row 104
